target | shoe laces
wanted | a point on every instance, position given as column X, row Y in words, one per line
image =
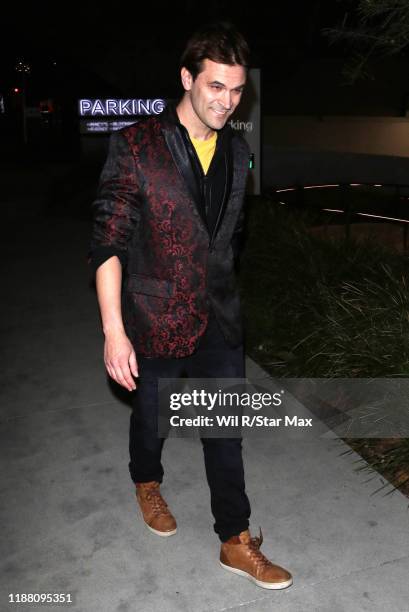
column 159, row 505
column 255, row 552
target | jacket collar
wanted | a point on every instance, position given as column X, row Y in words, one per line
column 170, row 120
column 176, row 135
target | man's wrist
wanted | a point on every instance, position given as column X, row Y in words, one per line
column 113, row 329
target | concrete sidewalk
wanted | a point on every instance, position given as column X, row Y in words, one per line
column 69, row 518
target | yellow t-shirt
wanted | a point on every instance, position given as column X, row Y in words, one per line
column 205, row 150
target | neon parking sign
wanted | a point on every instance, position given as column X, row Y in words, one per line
column 118, row 107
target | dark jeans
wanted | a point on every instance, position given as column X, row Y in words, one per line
column 223, row 457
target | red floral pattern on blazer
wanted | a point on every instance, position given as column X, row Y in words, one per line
column 172, row 273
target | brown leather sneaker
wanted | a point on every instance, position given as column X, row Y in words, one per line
column 241, row 555
column 155, row 511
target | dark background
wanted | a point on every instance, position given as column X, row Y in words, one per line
column 132, row 49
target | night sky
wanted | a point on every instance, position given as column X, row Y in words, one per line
column 133, row 50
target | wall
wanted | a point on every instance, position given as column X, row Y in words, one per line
column 307, row 150
column 368, row 135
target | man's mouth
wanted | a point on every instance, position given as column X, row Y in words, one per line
column 220, row 113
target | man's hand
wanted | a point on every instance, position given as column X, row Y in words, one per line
column 120, row 359
column 119, row 355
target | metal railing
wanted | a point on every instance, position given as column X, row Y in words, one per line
column 395, row 203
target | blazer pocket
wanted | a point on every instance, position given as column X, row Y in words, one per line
column 157, row 287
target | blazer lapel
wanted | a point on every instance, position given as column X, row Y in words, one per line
column 228, row 163
column 177, row 148
column 176, row 145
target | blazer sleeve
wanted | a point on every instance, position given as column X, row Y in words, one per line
column 115, row 208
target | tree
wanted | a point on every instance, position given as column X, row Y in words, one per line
column 371, row 28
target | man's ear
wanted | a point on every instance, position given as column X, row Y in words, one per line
column 186, row 79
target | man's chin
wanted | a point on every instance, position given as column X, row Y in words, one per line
column 218, row 124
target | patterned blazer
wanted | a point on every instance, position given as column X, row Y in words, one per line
column 148, row 212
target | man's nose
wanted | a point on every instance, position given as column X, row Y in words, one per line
column 226, row 100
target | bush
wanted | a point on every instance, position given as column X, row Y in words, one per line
column 319, row 308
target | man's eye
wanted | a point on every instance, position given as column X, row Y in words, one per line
column 216, row 87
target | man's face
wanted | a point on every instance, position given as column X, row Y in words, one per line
column 216, row 92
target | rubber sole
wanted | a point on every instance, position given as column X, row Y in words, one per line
column 164, row 534
column 260, row 583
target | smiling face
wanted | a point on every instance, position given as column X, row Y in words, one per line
column 214, row 95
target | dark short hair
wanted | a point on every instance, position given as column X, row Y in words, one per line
column 219, row 42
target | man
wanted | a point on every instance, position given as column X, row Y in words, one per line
column 167, row 221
